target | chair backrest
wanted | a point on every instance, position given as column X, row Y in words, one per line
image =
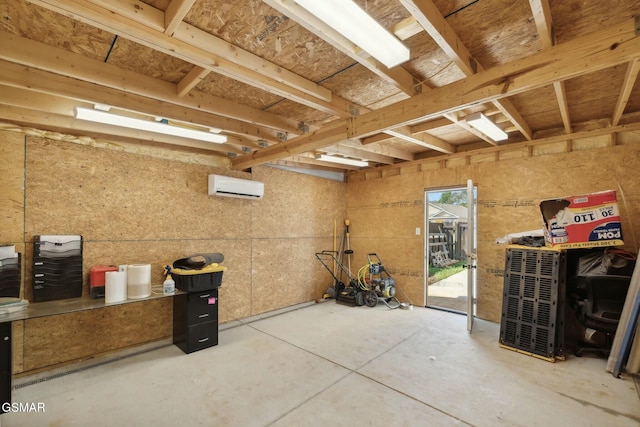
column 606, row 295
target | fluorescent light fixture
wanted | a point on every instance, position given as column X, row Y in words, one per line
column 342, row 160
column 99, row 116
column 350, row 20
column 486, row 126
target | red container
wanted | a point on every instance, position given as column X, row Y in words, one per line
column 97, row 279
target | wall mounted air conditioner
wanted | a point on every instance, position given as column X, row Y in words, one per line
column 220, row 185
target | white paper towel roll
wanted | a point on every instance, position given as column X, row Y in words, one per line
column 115, row 283
column 138, row 280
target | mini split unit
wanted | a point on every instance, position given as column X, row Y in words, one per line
column 226, row 186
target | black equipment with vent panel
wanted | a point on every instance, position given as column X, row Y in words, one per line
column 533, row 302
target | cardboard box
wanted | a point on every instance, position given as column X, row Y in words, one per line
column 588, row 221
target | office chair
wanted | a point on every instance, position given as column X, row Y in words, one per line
column 600, row 310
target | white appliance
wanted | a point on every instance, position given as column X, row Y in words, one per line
column 220, row 185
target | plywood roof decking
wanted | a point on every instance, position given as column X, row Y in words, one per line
column 267, row 80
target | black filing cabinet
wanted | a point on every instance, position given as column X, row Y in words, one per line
column 5, row 364
column 195, row 320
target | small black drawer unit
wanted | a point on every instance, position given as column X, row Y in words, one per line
column 195, row 320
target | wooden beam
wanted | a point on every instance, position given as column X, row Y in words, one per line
column 361, row 153
column 527, row 146
column 597, row 51
column 542, row 16
column 65, row 124
column 141, row 18
column 300, row 162
column 144, row 24
column 432, row 124
column 429, row 17
column 421, row 127
column 422, row 139
column 175, row 13
column 44, row 105
column 407, row 28
column 30, row 53
column 393, row 152
column 453, row 118
column 629, row 81
column 191, row 80
column 44, row 82
column 563, row 105
column 397, row 76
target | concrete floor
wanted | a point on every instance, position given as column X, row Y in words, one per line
column 449, row 293
column 333, row 365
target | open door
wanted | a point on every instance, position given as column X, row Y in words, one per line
column 471, row 254
column 449, row 236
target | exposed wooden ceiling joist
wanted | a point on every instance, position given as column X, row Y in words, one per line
column 185, row 44
column 397, row 76
column 175, row 13
column 23, row 51
column 599, row 50
column 630, row 79
column 381, row 149
column 358, row 153
column 429, row 17
column 144, row 24
column 423, row 139
column 45, row 82
column 544, row 23
column 66, row 124
column 63, row 63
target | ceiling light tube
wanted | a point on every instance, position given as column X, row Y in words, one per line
column 147, row 125
column 486, row 126
column 350, row 20
column 342, row 160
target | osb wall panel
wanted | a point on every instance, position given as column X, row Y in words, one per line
column 297, row 205
column 12, row 185
column 286, row 272
column 384, row 215
column 49, row 341
column 293, row 221
column 144, row 208
column 508, row 195
column 110, row 195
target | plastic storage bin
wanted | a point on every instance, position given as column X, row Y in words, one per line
column 207, row 278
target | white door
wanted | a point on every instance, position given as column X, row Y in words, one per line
column 471, row 252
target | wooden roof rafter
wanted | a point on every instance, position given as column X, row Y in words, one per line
column 429, row 17
column 30, row 53
column 143, row 24
column 542, row 17
column 629, row 81
column 398, row 76
column 606, row 48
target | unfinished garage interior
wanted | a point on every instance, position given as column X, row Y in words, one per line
column 286, row 96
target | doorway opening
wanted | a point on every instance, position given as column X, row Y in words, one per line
column 449, row 239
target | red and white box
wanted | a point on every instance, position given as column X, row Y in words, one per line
column 588, row 221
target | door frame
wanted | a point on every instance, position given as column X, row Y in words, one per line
column 471, row 239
